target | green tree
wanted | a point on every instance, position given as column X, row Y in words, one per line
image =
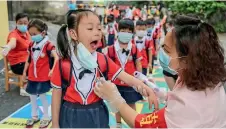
column 213, row 12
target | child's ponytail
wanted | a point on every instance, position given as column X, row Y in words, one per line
column 63, row 43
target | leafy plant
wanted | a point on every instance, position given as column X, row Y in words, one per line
column 210, row 11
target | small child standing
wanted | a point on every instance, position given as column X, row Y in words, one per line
column 39, row 72
column 126, row 55
column 111, row 30
column 144, row 45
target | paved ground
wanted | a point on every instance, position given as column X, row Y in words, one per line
column 11, row 101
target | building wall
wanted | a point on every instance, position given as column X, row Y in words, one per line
column 3, row 24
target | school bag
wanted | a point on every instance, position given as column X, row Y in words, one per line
column 51, row 59
column 112, row 53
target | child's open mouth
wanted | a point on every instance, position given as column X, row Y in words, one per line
column 93, row 44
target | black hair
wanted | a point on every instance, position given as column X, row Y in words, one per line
column 150, row 21
column 198, row 41
column 39, row 24
column 126, row 24
column 170, row 22
column 140, row 23
column 21, row 15
column 110, row 18
column 73, row 20
column 161, row 5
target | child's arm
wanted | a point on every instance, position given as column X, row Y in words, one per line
column 151, row 46
column 56, row 95
column 56, row 102
column 26, row 67
column 109, row 91
column 136, row 83
column 138, row 61
column 139, row 66
column 56, row 58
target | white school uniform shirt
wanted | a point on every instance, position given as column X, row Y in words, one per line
column 37, row 54
column 196, row 109
column 85, row 85
column 140, row 46
column 123, row 58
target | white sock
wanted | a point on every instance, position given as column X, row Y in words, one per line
column 34, row 106
column 45, row 105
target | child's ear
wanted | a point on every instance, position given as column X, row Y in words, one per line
column 73, row 35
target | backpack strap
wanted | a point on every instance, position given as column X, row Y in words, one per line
column 134, row 54
column 106, row 66
column 49, row 55
column 111, row 52
column 65, row 82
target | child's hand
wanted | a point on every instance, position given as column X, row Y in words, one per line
column 50, row 73
column 150, row 66
column 24, row 77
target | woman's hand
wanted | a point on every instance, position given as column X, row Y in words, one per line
column 6, row 50
column 108, row 91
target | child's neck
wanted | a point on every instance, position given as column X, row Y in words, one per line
column 140, row 37
column 123, row 45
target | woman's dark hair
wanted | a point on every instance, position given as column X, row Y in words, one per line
column 73, row 20
column 170, row 22
column 198, row 41
column 21, row 15
column 140, row 23
column 161, row 5
column 110, row 18
column 39, row 24
column 150, row 21
column 126, row 24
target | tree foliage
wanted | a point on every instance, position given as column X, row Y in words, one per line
column 213, row 12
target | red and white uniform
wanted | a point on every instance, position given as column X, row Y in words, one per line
column 188, row 109
column 82, row 90
column 39, row 64
column 125, row 61
column 112, row 29
column 18, row 54
column 143, row 45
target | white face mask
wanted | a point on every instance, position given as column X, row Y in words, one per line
column 85, row 58
column 141, row 33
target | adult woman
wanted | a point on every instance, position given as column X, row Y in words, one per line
column 17, row 44
column 198, row 99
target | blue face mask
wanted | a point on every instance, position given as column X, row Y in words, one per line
column 85, row 58
column 125, row 37
column 37, row 38
column 149, row 30
column 22, row 28
column 164, row 61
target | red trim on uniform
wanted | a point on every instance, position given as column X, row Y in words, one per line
column 152, row 120
column 71, row 94
column 42, row 65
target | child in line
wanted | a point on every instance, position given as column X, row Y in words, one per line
column 111, row 30
column 39, row 71
column 152, row 33
column 144, row 46
column 126, row 55
column 81, row 66
column 198, row 99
